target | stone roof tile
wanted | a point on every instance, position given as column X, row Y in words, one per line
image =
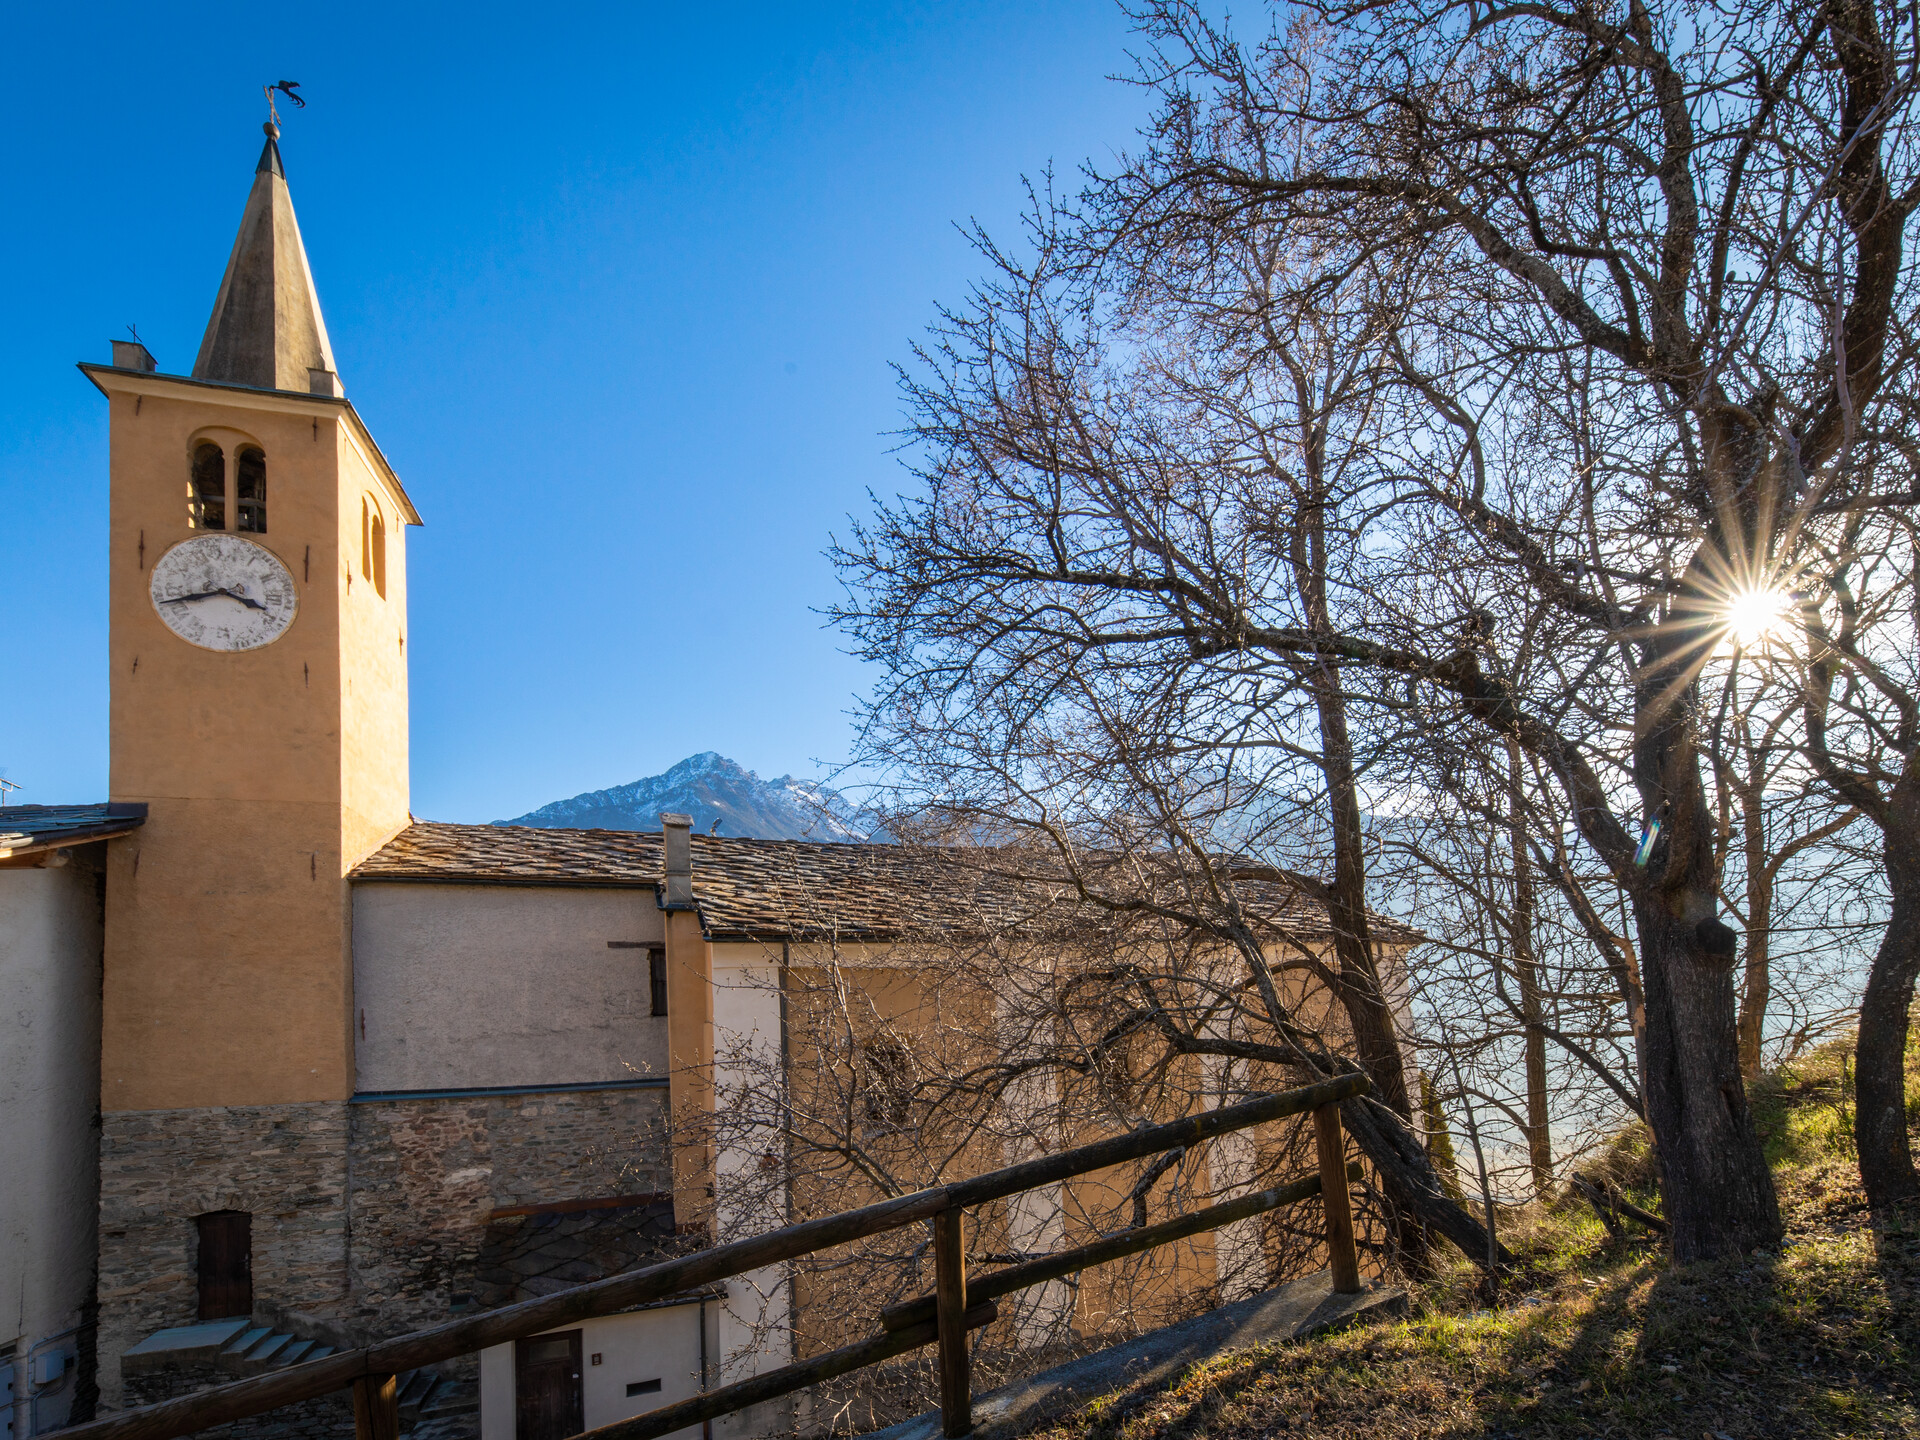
column 749, row 889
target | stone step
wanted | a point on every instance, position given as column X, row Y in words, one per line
column 453, row 1397
column 413, row 1390
column 183, row 1345
column 233, row 1359
column 268, row 1351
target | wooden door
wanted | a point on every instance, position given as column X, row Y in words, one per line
column 226, row 1264
column 546, row 1387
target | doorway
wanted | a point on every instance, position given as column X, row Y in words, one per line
column 546, row 1387
column 225, row 1264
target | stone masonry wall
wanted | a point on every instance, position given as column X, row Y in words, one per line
column 366, row 1216
column 285, row 1164
column 427, row 1174
column 329, row 1417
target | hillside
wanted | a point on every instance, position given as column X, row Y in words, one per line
column 1602, row 1337
column 710, row 788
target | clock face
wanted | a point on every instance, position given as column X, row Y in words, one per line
column 224, row 593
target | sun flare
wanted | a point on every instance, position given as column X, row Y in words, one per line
column 1754, row 616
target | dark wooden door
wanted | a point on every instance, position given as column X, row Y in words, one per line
column 546, row 1387
column 226, row 1264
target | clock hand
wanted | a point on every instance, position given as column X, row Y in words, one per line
column 250, row 603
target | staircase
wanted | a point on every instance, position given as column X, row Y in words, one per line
column 236, row 1349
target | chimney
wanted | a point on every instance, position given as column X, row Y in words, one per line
column 132, row 355
column 677, row 832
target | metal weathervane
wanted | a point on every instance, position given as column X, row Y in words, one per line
column 285, row 87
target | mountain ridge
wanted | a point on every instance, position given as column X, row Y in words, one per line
column 713, row 790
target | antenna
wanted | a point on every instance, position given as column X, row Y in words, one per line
column 5, row 786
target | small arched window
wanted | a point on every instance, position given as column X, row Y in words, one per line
column 207, row 490
column 250, row 490
column 373, row 546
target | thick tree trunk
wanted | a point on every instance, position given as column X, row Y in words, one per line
column 1718, row 1188
column 1880, row 1071
column 1719, row 1193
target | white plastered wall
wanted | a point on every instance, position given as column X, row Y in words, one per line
column 754, row 1323
column 468, row 986
column 662, row 1343
column 50, row 938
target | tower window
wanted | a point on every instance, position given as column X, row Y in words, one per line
column 207, row 495
column 250, row 489
column 373, row 546
column 225, row 1264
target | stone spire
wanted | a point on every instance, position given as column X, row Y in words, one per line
column 266, row 328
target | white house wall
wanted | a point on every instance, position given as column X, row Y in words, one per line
column 753, row 1333
column 49, row 1093
column 616, row 1351
column 475, row 986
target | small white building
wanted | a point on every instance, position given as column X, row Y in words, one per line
column 51, row 897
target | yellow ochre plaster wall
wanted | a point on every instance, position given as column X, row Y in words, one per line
column 268, row 773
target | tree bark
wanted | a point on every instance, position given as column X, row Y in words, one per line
column 1756, row 986
column 1719, row 1190
column 1527, row 972
column 1880, row 1068
column 1719, row 1194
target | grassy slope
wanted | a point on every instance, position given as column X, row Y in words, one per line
column 1605, row 1338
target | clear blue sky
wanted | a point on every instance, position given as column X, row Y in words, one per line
column 617, row 288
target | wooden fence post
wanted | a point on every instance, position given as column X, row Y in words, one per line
column 1342, row 1258
column 376, row 1408
column 950, row 1308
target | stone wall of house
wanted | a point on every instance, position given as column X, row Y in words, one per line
column 369, row 1216
column 428, row 1175
column 329, row 1417
column 284, row 1164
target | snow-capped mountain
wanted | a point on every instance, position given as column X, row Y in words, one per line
column 710, row 787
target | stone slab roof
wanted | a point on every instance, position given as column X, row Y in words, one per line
column 762, row 889
column 26, row 829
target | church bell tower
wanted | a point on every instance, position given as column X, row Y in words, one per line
column 258, row 634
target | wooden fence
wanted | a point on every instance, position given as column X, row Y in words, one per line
column 956, row 1306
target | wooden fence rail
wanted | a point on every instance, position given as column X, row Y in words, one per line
column 945, row 1317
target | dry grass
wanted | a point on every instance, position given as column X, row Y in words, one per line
column 1603, row 1337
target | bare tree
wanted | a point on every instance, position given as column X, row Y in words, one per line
column 1861, row 616
column 1699, row 217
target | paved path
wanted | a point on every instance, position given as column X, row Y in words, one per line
column 1292, row 1311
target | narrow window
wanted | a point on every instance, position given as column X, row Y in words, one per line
column 250, row 489
column 225, row 1264
column 373, row 546
column 657, row 978
column 207, row 496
